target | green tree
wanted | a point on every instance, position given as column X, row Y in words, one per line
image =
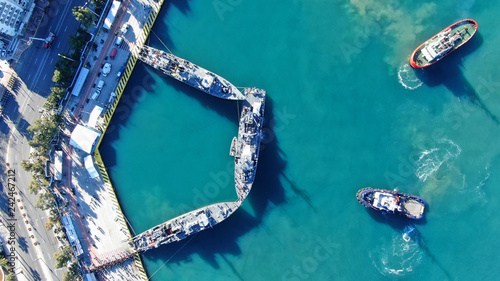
column 52, row 102
column 63, row 257
column 73, row 273
column 45, row 201
column 99, row 4
column 34, row 186
column 54, row 98
column 37, row 167
column 62, row 76
column 4, row 264
column 84, row 16
column 53, row 219
column 76, row 42
column 43, row 131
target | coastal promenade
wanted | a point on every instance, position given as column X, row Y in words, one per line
column 100, row 223
column 104, row 232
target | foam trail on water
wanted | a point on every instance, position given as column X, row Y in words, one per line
column 407, row 77
column 400, row 256
column 431, row 160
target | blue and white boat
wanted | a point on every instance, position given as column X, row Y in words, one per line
column 392, row 202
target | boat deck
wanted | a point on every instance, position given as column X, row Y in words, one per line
column 443, row 43
column 414, row 208
column 182, row 226
column 190, row 73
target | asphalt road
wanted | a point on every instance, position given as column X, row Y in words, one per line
column 35, row 70
column 36, row 65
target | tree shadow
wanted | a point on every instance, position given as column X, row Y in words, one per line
column 23, row 244
column 225, row 108
column 4, row 128
column 22, row 128
column 448, row 73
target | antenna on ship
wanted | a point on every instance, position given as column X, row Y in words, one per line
column 162, row 42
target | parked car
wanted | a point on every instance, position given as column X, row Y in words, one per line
column 113, row 53
column 96, row 94
column 118, row 41
column 124, row 29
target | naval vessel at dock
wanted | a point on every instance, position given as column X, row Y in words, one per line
column 190, row 73
column 245, row 148
column 185, row 225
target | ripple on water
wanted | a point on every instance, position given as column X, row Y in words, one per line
column 408, row 78
column 431, row 160
column 399, row 256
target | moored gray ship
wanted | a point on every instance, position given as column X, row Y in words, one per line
column 246, row 147
column 190, row 73
column 184, row 225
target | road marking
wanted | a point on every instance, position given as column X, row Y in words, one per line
column 51, row 60
column 45, row 76
column 66, row 28
column 58, row 44
column 57, row 12
column 35, row 61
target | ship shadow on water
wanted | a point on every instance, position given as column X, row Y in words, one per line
column 225, row 108
column 130, row 99
column 267, row 190
column 448, row 73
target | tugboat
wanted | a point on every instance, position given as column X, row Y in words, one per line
column 392, row 202
column 443, row 43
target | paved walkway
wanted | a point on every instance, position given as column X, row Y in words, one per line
column 93, row 204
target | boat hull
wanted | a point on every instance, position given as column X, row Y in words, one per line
column 392, row 202
column 435, row 49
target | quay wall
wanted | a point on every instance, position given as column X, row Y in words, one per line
column 148, row 25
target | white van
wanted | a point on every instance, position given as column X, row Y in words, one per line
column 124, row 29
column 96, row 94
column 100, row 84
column 118, row 41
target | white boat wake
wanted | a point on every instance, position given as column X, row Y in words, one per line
column 408, row 78
column 400, row 256
column 431, row 160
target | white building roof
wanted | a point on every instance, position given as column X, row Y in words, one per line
column 84, row 138
column 80, row 81
column 89, row 165
column 58, row 165
column 94, row 115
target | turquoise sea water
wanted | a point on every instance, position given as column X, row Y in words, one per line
column 344, row 111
